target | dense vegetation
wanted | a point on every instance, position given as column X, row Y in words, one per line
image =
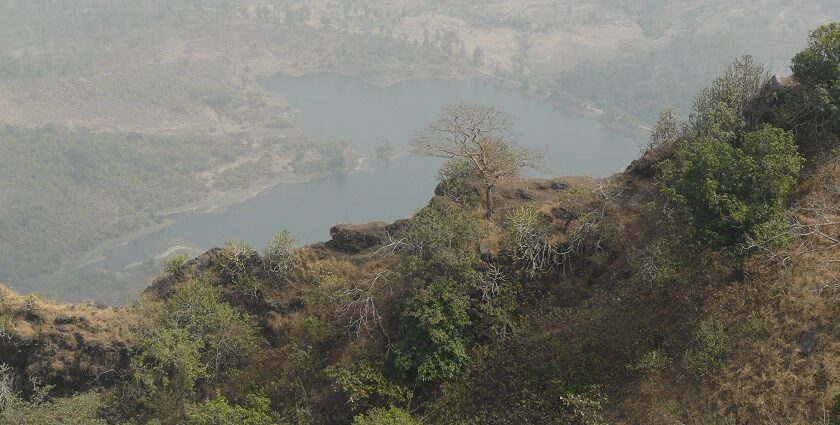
column 578, row 302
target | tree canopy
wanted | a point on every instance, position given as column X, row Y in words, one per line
column 479, row 138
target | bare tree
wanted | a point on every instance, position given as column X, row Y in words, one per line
column 7, row 387
column 359, row 307
column 666, row 130
column 480, row 137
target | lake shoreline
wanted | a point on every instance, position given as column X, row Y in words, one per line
column 216, row 203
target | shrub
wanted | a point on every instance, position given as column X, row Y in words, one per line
column 454, row 175
column 81, row 409
column 495, row 308
column 191, row 335
column 657, row 263
column 434, row 317
column 174, row 265
column 218, row 412
column 170, row 359
column 236, row 255
column 528, row 239
column 390, row 416
column 29, row 306
column 366, row 384
column 7, row 385
column 726, row 191
column 667, row 129
column 573, row 202
column 279, row 254
column 584, row 408
column 443, row 235
column 707, row 348
column 654, row 361
column 834, row 413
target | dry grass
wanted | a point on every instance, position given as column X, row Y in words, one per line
column 763, row 377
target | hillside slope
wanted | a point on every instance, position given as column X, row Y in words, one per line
column 700, row 285
column 591, row 321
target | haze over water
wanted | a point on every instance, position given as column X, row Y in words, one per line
column 344, row 108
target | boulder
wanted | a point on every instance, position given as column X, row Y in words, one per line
column 768, row 98
column 63, row 320
column 355, row 238
column 775, row 84
column 807, row 342
column 644, row 166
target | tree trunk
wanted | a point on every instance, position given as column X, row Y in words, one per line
column 488, row 200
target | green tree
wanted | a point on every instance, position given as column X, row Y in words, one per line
column 819, row 63
column 434, row 317
column 193, row 335
column 436, row 258
column 817, row 103
column 721, row 110
column 726, row 191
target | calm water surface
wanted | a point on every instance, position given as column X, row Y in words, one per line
column 347, row 109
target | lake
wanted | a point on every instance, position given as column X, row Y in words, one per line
column 347, row 109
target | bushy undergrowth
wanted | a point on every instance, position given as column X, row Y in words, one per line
column 188, row 341
column 390, row 416
column 728, row 191
column 707, row 349
column 218, row 412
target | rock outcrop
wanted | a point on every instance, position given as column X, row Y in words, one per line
column 355, row 238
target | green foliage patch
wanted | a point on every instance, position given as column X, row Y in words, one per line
column 390, row 416
column 218, row 412
column 707, row 349
column 434, row 317
column 365, row 384
column 728, row 191
column 193, row 336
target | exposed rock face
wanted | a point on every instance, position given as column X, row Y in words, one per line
column 644, row 166
column 355, row 238
column 164, row 284
column 468, row 187
column 74, row 347
column 768, row 98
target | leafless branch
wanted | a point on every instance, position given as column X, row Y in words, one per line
column 358, row 306
column 809, row 230
column 589, row 223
